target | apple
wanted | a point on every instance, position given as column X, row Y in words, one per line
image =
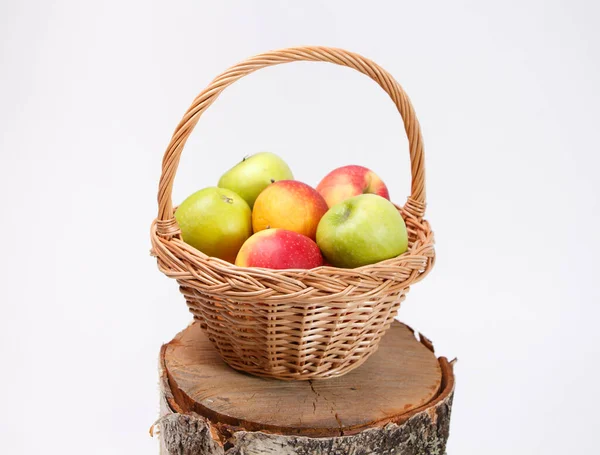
column 348, row 181
column 362, row 230
column 253, row 174
column 291, row 205
column 216, row 221
column 279, row 249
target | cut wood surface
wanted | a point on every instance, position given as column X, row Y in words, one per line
column 401, row 377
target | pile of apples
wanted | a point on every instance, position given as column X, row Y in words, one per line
column 259, row 216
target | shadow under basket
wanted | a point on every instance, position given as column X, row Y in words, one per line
column 294, row 324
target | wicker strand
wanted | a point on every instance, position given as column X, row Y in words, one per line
column 294, row 324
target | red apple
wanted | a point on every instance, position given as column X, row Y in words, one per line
column 279, row 249
column 349, row 181
column 291, row 205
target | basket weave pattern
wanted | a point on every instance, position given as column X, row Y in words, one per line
column 294, row 324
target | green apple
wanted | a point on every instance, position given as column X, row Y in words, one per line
column 362, row 230
column 253, row 174
column 216, row 221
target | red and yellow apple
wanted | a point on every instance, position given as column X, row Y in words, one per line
column 291, row 205
column 279, row 249
column 215, row 221
column 362, row 230
column 349, row 181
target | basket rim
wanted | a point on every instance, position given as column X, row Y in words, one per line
column 181, row 261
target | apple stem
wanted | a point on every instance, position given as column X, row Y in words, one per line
column 272, row 180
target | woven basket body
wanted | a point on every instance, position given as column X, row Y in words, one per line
column 294, row 324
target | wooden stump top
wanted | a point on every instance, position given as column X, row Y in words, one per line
column 401, row 376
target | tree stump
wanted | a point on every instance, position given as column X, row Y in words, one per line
column 398, row 402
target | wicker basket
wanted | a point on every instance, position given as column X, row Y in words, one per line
column 294, row 324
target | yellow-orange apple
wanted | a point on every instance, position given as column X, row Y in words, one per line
column 349, row 181
column 291, row 205
column 279, row 249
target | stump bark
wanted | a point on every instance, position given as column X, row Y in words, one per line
column 399, row 402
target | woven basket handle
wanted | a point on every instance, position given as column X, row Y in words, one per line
column 166, row 224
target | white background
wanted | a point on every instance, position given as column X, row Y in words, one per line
column 507, row 94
